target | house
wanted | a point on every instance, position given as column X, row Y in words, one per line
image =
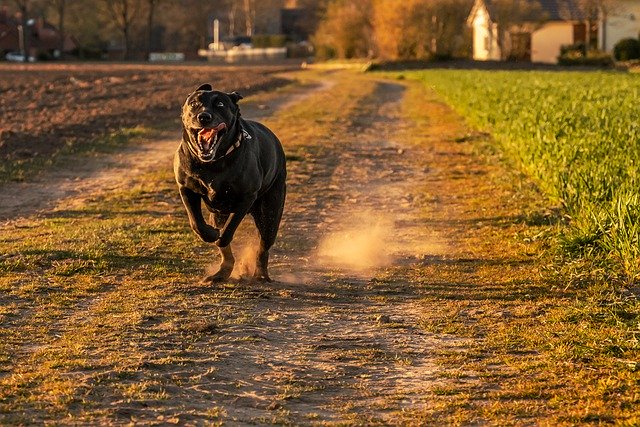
column 531, row 33
column 618, row 20
column 43, row 38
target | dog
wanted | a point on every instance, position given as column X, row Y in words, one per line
column 234, row 167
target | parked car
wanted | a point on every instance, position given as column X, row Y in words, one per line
column 17, row 57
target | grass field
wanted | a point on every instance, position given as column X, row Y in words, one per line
column 577, row 135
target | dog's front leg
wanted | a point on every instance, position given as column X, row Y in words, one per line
column 193, row 204
column 234, row 220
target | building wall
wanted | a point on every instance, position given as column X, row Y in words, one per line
column 485, row 37
column 546, row 41
column 622, row 21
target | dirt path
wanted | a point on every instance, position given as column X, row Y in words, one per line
column 375, row 240
column 328, row 339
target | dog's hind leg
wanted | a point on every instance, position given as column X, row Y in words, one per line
column 267, row 213
column 228, row 261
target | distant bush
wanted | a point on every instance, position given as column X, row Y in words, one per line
column 575, row 49
column 627, row 49
column 578, row 55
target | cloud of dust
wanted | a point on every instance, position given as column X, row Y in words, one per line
column 358, row 244
column 246, row 259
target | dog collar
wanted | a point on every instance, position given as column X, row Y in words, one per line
column 242, row 135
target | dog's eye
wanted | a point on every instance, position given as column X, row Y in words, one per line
column 220, row 104
column 194, row 104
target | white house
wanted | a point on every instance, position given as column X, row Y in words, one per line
column 556, row 23
column 485, row 33
column 619, row 19
column 553, row 24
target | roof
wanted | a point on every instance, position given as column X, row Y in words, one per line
column 563, row 10
column 552, row 10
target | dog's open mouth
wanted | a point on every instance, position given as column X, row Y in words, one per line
column 208, row 138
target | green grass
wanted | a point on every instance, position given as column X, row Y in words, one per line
column 576, row 134
column 547, row 349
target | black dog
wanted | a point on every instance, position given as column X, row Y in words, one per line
column 235, row 167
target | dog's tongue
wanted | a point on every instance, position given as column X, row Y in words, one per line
column 208, row 134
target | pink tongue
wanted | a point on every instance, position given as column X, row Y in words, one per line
column 207, row 134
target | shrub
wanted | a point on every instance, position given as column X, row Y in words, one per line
column 592, row 58
column 575, row 49
column 627, row 49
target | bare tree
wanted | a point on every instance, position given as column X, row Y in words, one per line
column 60, row 8
column 249, row 10
column 151, row 10
column 345, row 30
column 123, row 13
column 511, row 16
column 598, row 12
column 419, row 28
column 232, row 13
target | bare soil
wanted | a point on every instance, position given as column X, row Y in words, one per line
column 45, row 107
column 381, row 231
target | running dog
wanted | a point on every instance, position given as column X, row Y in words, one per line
column 234, row 167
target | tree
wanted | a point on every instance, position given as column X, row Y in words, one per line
column 345, row 30
column 249, row 10
column 60, row 8
column 418, row 28
column 515, row 16
column 231, row 16
column 123, row 13
column 151, row 10
column 597, row 13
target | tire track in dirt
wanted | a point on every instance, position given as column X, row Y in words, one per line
column 326, row 344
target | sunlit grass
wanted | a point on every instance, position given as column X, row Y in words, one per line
column 545, row 351
column 576, row 134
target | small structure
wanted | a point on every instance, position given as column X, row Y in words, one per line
column 537, row 37
column 240, row 54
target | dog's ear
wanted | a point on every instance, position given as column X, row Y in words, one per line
column 235, row 97
column 205, row 86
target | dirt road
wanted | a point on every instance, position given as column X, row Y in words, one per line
column 391, row 260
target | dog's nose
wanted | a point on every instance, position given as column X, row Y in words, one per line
column 204, row 118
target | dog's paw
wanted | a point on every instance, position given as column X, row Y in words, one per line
column 221, row 276
column 261, row 277
column 209, row 234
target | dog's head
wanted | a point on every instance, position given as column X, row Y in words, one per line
column 208, row 117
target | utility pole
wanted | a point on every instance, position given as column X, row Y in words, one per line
column 23, row 33
column 216, row 34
